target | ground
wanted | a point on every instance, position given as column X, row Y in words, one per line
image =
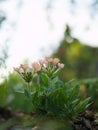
column 9, row 120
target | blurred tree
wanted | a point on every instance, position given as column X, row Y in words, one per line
column 3, row 55
column 2, row 13
column 2, row 17
column 80, row 60
column 90, row 6
column 3, row 50
column 6, row 30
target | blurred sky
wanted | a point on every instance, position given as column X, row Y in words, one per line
column 32, row 30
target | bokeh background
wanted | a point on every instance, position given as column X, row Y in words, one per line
column 33, row 29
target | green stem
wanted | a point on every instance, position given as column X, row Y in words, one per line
column 29, row 89
column 38, row 82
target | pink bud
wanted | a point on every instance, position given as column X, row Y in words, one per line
column 43, row 62
column 56, row 60
column 36, row 66
column 49, row 59
column 60, row 65
column 24, row 66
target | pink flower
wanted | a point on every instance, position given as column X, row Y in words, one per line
column 49, row 59
column 44, row 61
column 24, row 66
column 56, row 60
column 60, row 65
column 36, row 66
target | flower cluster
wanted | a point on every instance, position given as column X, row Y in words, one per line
column 25, row 72
column 51, row 66
column 53, row 61
column 47, row 65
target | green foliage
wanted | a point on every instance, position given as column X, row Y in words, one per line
column 11, row 93
column 59, row 99
column 90, row 88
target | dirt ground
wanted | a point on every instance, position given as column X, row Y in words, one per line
column 88, row 120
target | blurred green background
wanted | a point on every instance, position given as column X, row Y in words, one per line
column 81, row 61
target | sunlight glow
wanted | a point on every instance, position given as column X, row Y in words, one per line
column 33, row 38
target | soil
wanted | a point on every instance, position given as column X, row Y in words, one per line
column 5, row 113
column 87, row 120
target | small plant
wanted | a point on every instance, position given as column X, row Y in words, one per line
column 49, row 95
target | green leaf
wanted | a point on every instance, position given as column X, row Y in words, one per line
column 55, row 73
column 82, row 105
column 27, row 93
column 45, row 79
column 70, row 81
column 19, row 91
column 73, row 93
column 75, row 102
column 55, row 80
